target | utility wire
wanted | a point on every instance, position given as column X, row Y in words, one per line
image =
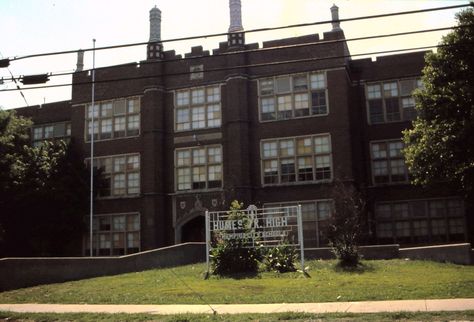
column 250, row 31
column 192, row 290
column 317, row 43
column 17, row 86
column 237, row 67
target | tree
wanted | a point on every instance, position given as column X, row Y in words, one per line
column 440, row 146
column 43, row 193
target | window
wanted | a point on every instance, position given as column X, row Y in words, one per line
column 288, row 97
column 117, row 234
column 315, row 216
column 113, row 119
column 388, row 164
column 420, row 221
column 198, row 108
column 299, row 159
column 121, row 175
column 198, row 168
column 391, row 101
column 196, row 72
column 54, row 131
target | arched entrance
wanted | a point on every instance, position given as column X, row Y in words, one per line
column 194, row 230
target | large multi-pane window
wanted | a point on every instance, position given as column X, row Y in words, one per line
column 117, row 234
column 391, row 101
column 420, row 221
column 199, row 167
column 52, row 131
column 198, row 108
column 120, row 175
column 293, row 96
column 315, row 216
column 388, row 163
column 113, row 119
column 296, row 159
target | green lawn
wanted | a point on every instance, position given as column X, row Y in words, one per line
column 295, row 317
column 376, row 280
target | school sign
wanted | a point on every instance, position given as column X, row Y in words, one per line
column 264, row 227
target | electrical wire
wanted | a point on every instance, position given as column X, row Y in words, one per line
column 250, row 31
column 238, row 67
column 317, row 43
column 17, row 86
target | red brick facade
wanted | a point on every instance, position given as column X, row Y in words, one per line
column 168, row 215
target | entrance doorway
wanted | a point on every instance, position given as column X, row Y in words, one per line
column 194, row 230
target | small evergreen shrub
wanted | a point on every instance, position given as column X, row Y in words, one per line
column 231, row 257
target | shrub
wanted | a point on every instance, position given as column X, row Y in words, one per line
column 345, row 227
column 280, row 259
column 231, row 257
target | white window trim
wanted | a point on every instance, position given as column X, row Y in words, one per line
column 295, row 156
column 207, row 164
column 399, row 96
column 126, row 195
column 190, row 106
column 95, row 233
column 293, row 93
column 97, row 119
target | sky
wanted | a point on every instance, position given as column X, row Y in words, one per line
column 43, row 26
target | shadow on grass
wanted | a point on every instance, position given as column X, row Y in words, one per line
column 238, row 276
column 360, row 268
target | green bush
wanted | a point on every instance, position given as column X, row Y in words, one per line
column 230, row 257
column 280, row 259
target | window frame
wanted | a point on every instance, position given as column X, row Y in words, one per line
column 317, row 220
column 37, row 141
column 206, row 164
column 406, row 114
column 296, row 90
column 113, row 116
column 388, row 159
column 430, row 217
column 113, row 173
column 295, row 155
column 97, row 232
column 188, row 107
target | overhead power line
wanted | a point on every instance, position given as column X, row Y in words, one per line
column 317, row 43
column 237, row 67
column 247, row 31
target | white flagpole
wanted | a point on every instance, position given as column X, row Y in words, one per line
column 91, row 132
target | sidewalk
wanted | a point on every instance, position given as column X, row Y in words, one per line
column 352, row 307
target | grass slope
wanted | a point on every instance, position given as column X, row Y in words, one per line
column 375, row 280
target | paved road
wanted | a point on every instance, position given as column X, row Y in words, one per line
column 353, row 307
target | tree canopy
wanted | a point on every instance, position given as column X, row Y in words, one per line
column 43, row 193
column 440, row 146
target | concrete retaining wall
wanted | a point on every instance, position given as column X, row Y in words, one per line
column 368, row 252
column 455, row 253
column 23, row 272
